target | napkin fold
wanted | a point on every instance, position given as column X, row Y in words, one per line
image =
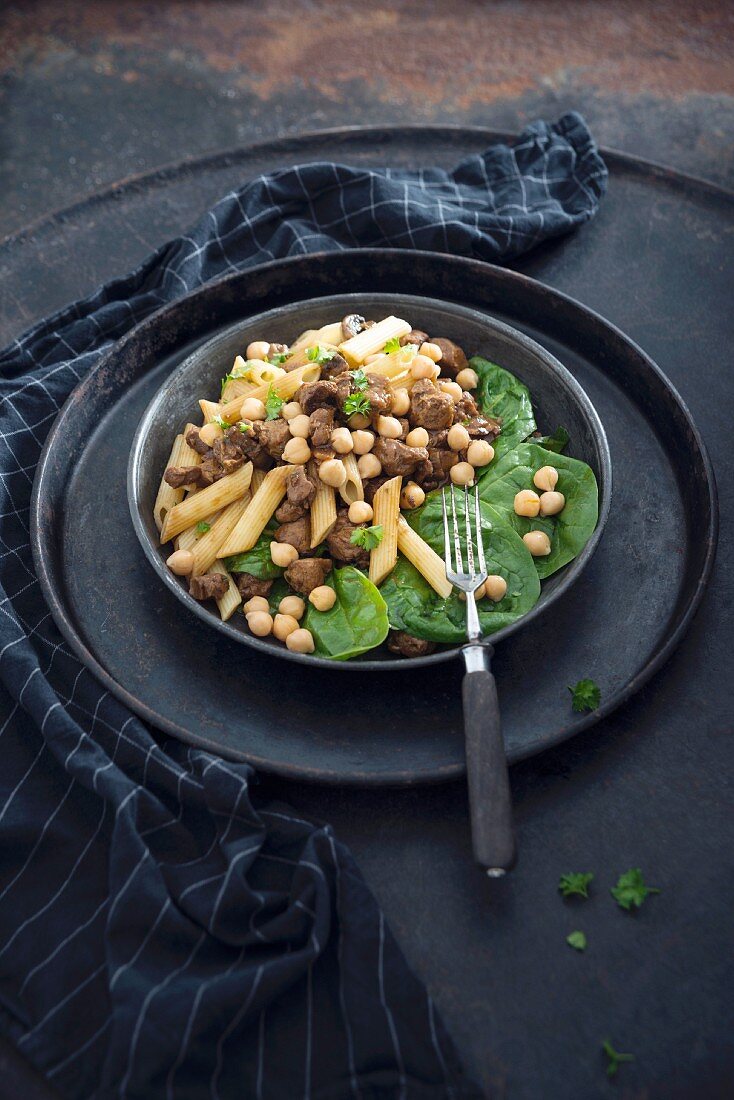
column 163, row 931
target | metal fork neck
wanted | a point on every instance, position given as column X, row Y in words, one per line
column 478, row 656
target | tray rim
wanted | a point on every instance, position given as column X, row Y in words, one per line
column 439, row 773
column 164, row 173
column 568, row 573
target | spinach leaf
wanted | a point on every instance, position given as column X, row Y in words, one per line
column 556, row 442
column 505, row 397
column 357, row 621
column 257, row 561
column 572, row 528
column 414, row 606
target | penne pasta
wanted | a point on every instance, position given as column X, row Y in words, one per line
column 252, row 524
column 426, row 560
column 323, row 508
column 284, row 387
column 258, row 476
column 206, row 501
column 357, row 348
column 303, row 341
column 231, row 599
column 167, row 497
column 402, row 381
column 393, row 365
column 352, row 489
column 204, row 549
column 209, row 409
column 188, row 538
column 386, row 507
column 329, row 335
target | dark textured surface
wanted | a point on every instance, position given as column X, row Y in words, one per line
column 647, row 787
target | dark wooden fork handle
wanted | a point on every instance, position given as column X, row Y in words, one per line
column 490, row 802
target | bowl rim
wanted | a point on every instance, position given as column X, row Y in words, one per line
column 569, row 573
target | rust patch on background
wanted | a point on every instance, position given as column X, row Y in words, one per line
column 456, row 53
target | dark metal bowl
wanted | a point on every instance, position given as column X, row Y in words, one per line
column 557, row 399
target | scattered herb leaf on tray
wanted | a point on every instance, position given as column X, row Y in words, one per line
column 575, row 884
column 577, row 940
column 615, row 1058
column 631, row 890
column 585, row 695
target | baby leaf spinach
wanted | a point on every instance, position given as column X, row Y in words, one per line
column 556, row 442
column 357, row 621
column 571, row 529
column 257, row 561
column 415, row 607
column 502, row 395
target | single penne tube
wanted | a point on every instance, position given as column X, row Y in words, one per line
column 329, row 335
column 202, row 504
column 284, row 387
column 323, row 508
column 231, row 599
column 386, row 508
column 204, row 548
column 300, row 357
column 352, row 489
column 258, row 476
column 426, row 560
column 167, row 498
column 393, row 365
column 188, row 538
column 209, row 410
column 303, row 341
column 356, row 349
column 252, row 524
column 402, row 381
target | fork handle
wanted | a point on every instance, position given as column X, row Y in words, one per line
column 490, row 802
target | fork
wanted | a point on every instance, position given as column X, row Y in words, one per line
column 490, row 804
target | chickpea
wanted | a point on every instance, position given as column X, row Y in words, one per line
column 341, row 441
column 323, row 598
column 210, row 433
column 332, row 473
column 551, row 503
column 253, row 409
column 418, row 437
column 360, row 512
column 258, row 349
column 462, row 473
column 292, row 605
column 291, row 410
column 527, row 503
column 369, row 466
column 283, row 625
column 537, row 543
column 412, row 496
column 423, row 367
column 480, row 592
column 458, row 438
column 300, row 426
column 283, row 554
column 362, row 442
column 389, row 427
column 181, row 562
column 495, row 587
column 431, row 351
column 480, row 453
column 300, row 641
column 400, row 402
column 256, row 603
column 357, row 421
column 467, row 379
column 296, row 451
column 454, row 390
column 260, row 623
column 546, row 478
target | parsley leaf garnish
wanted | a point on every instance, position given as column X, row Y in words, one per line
column 577, row 940
column 273, row 405
column 393, row 344
column 631, row 890
column 244, row 427
column 368, row 537
column 202, row 527
column 279, row 358
column 318, row 354
column 586, row 695
column 357, row 403
column 615, row 1058
column 360, row 381
column 575, row 884
column 223, row 424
